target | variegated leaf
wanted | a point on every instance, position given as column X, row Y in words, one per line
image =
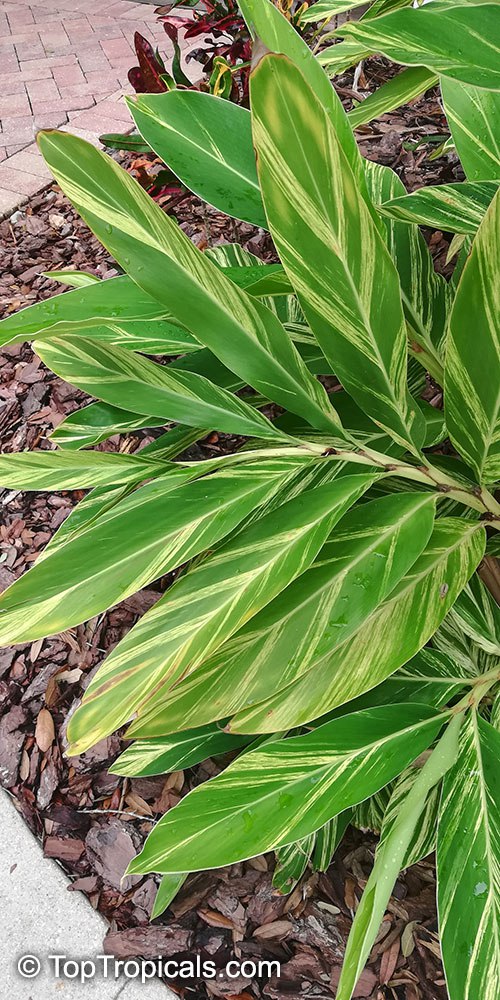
column 291, row 863
column 393, row 634
column 393, row 94
column 122, row 378
column 468, row 866
column 335, row 59
column 458, row 41
column 286, row 789
column 324, row 10
column 208, row 605
column 478, row 614
column 328, row 839
column 422, row 290
column 332, row 251
column 268, row 25
column 98, row 421
column 61, row 470
column 455, row 208
column 240, row 330
column 373, row 546
column 116, row 311
column 474, row 118
column 472, row 374
column 144, row 535
column 175, row 753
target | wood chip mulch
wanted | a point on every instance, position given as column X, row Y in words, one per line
column 92, row 823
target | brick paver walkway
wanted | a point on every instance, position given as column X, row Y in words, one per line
column 63, row 63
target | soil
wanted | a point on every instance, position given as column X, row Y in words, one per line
column 92, row 822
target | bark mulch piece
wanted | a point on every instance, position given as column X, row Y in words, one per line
column 92, row 822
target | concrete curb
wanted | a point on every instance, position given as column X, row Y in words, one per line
column 41, row 918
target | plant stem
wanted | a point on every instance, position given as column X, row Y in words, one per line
column 476, row 497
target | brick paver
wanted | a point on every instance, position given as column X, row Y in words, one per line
column 63, row 63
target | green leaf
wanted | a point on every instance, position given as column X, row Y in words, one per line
column 263, row 800
column 169, row 887
column 61, row 470
column 460, row 42
column 123, row 379
column 208, row 605
column 397, row 91
column 143, row 536
column 116, row 311
column 393, row 634
column 333, row 253
column 468, row 866
column 208, row 145
column 175, row 753
column 72, row 277
column 245, row 335
column 373, row 546
column 455, row 208
column 389, row 860
column 474, row 118
column 472, row 394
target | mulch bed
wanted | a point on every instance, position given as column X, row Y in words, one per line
column 92, row 822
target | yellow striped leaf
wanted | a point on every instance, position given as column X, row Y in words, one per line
column 458, row 41
column 472, row 375
column 240, row 330
column 393, row 634
column 397, row 91
column 332, row 251
column 122, row 378
column 135, row 541
column 116, row 311
column 373, row 546
column 474, row 118
column 60, row 470
column 208, row 605
column 455, row 208
column 264, row 799
column 175, row 753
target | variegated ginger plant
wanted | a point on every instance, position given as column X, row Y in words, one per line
column 329, row 622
